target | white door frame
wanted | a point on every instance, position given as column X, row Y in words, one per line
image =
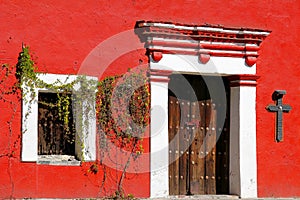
column 205, row 50
column 242, row 144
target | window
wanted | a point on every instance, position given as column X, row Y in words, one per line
column 52, row 135
column 46, row 139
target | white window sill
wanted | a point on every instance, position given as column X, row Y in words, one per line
column 62, row 160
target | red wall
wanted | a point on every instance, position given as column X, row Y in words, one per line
column 63, row 33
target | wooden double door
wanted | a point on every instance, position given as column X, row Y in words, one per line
column 198, row 139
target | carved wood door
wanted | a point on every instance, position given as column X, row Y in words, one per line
column 198, row 157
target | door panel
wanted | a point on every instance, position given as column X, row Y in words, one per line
column 183, row 146
column 174, row 119
column 197, row 149
column 198, row 161
column 210, row 141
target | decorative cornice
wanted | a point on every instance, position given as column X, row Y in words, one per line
column 203, row 41
column 160, row 75
column 243, row 80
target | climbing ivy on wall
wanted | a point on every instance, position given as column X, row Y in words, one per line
column 123, row 114
column 122, row 108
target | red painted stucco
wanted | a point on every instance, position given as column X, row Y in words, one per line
column 63, row 33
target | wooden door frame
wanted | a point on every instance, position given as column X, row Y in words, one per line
column 242, row 159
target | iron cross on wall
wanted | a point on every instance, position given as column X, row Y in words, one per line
column 279, row 108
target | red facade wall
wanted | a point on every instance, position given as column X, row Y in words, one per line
column 63, row 33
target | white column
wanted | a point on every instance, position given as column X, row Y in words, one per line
column 243, row 163
column 159, row 159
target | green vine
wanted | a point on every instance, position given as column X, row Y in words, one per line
column 123, row 106
column 26, row 73
column 123, row 112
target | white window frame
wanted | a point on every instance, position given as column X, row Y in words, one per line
column 85, row 144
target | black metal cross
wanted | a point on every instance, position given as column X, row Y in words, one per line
column 280, row 109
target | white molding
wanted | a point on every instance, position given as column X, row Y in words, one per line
column 243, row 174
column 30, row 122
column 159, row 159
column 191, row 64
column 204, row 40
column 207, row 29
column 242, row 161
